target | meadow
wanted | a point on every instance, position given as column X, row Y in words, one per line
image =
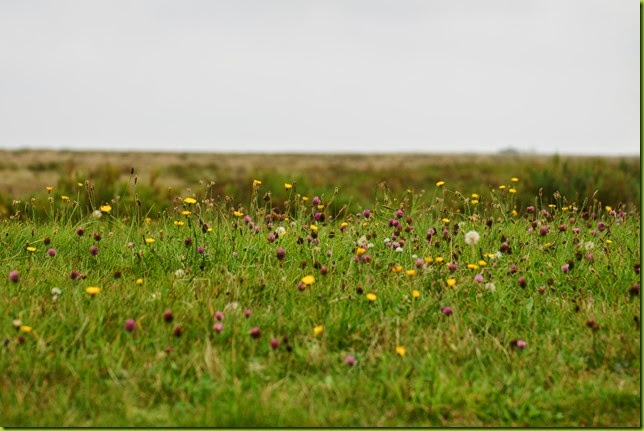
column 311, row 290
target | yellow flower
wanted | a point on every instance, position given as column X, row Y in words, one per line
column 360, row 251
column 64, row 198
column 26, row 329
column 139, row 281
column 410, row 272
column 502, row 187
column 451, row 282
column 147, row 220
column 439, row 260
column 514, row 180
column 178, row 223
column 474, row 201
column 475, row 196
column 238, row 214
column 365, row 224
column 31, row 249
column 415, row 294
column 304, row 198
column 149, row 240
column 482, row 263
column 396, row 268
column 428, row 260
column 49, row 188
column 314, row 228
column 515, row 213
column 552, row 205
column 472, row 266
column 344, row 224
column 186, row 213
column 288, row 186
column 400, row 350
column 564, row 208
column 190, row 201
column 371, row 297
column 440, row 183
column 79, row 184
column 321, row 207
column 318, row 330
column 609, row 208
column 308, row 280
column 92, row 290
column 105, row 208
column 257, row 182
column 512, row 190
column 445, row 220
column 609, row 241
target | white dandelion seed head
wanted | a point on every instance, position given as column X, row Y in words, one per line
column 472, row 237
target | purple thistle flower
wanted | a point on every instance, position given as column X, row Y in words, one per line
column 366, row 213
column 80, row 231
column 576, row 230
column 529, row 209
column 280, row 253
column 255, row 332
column 522, row 281
column 565, row 268
column 446, row 311
column 130, row 325
column 93, row 250
column 201, row 249
column 601, row 226
column 275, row 343
column 452, row 266
column 478, row 278
column 51, row 252
column 350, row 360
column 316, row 201
column 218, row 327
column 400, row 213
column 167, row 315
column 219, row 315
column 543, row 230
column 247, row 313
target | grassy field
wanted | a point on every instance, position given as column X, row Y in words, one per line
column 292, row 290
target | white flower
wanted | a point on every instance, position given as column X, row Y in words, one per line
column 497, row 255
column 490, row 287
column 281, row 231
column 97, row 214
column 179, row 273
column 398, row 249
column 472, row 237
column 370, row 245
column 55, row 291
column 589, row 245
column 386, row 240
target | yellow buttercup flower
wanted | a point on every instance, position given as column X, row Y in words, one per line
column 415, row 294
column 149, row 240
column 190, row 201
column 64, row 198
column 411, row 272
column 178, row 223
column 397, row 268
column 472, row 266
column 318, row 330
column 105, row 208
column 371, row 297
column 514, row 180
column 288, row 186
column 256, row 182
column 238, row 214
column 139, row 281
column 26, row 329
column 308, row 280
column 31, row 249
column 451, row 282
column 92, row 290
column 360, row 251
column 186, row 213
column 428, row 260
column 400, row 350
column 440, row 183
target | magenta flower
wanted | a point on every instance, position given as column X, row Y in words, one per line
column 51, row 252
column 446, row 311
column 255, row 332
column 316, row 201
column 452, row 266
column 601, row 226
column 350, row 360
column 167, row 315
column 218, row 327
column 565, row 268
column 400, row 213
column 187, row 242
column 275, row 343
column 590, row 257
column 576, row 230
column 543, row 230
column 522, row 281
column 130, row 325
column 478, row 278
column 280, row 253
column 529, row 209
column 219, row 315
column 520, row 344
column 366, row 213
column 93, row 250
column 247, row 313
column 563, row 227
column 80, row 231
column 14, row 276
column 201, row 249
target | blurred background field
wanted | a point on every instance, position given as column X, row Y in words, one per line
column 158, row 178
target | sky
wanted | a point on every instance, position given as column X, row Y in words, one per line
column 464, row 76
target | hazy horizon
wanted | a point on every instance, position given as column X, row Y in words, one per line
column 313, row 76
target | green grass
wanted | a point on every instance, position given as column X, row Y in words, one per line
column 79, row 366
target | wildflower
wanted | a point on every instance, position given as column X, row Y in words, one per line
column 371, row 297
column 167, row 315
column 634, row 290
column 288, row 186
column 280, row 253
column 55, row 292
column 93, row 250
column 17, row 323
column 247, row 313
column 502, row 187
column 452, row 266
column 472, row 237
column 190, row 201
column 178, row 223
column 149, row 240
column 440, row 183
column 420, row 262
column 130, row 325
column 428, row 260
column 478, row 278
column 350, row 360
column 439, row 260
column 490, row 287
column 519, row 344
column 186, row 213
column 64, row 198
column 316, row 201
column 92, row 290
column 530, row 209
column 512, row 190
column 608, row 241
column 482, row 263
column 308, row 280
column 51, row 252
column 179, row 273
column 49, row 189
column 257, row 182
column 318, row 330
column 105, row 208
column 522, row 281
column 445, row 220
column 366, row 213
column 472, row 266
column 14, row 276
column 397, row 268
column 97, row 214
column 590, row 257
column 589, row 245
column 255, row 332
column 26, row 329
column 201, row 249
column 218, row 327
column 447, row 311
column 219, row 315
column 400, row 350
column 177, row 331
column 565, row 268
column 601, row 226
column 31, row 249
column 415, row 294
column 451, row 282
column 543, row 230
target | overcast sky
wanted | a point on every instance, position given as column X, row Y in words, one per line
column 321, row 75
